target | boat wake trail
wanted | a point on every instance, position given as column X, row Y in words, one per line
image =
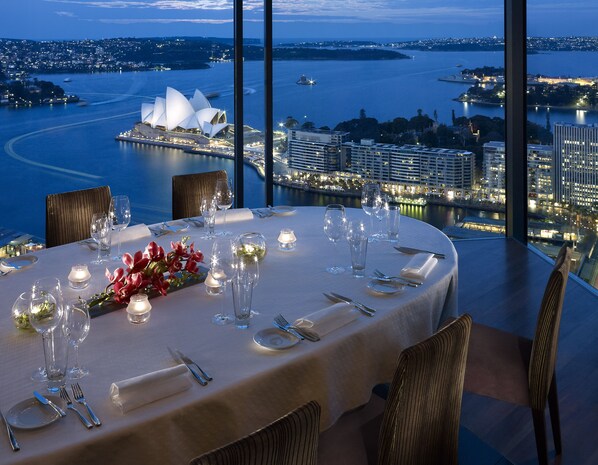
column 10, row 151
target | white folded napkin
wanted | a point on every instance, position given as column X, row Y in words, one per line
column 236, row 214
column 132, row 233
column 328, row 319
column 419, row 266
column 132, row 393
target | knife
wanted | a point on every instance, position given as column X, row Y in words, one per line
column 357, row 305
column 178, row 359
column 287, row 330
column 412, row 251
column 11, row 436
column 49, row 403
column 188, row 361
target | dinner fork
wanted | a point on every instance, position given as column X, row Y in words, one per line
column 79, row 397
column 69, row 405
column 306, row 333
column 408, row 282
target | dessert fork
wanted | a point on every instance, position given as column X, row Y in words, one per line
column 69, row 405
column 79, row 397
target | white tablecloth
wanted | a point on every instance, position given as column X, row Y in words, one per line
column 252, row 386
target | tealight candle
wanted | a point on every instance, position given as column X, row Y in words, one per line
column 287, row 240
column 213, row 286
column 138, row 310
column 79, row 277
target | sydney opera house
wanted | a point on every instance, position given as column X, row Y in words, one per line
column 176, row 111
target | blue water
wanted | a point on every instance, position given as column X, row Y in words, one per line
column 53, row 149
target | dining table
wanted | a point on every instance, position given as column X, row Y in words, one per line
column 252, row 385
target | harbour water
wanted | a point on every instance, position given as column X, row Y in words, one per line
column 59, row 148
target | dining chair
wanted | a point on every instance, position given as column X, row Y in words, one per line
column 188, row 190
column 519, row 370
column 420, row 424
column 290, row 440
column 68, row 214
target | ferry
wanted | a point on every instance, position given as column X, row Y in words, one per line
column 304, row 81
column 68, row 79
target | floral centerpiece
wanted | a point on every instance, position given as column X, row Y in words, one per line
column 152, row 271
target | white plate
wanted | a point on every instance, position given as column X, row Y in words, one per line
column 174, row 226
column 30, row 414
column 283, row 210
column 385, row 288
column 274, row 339
column 19, row 263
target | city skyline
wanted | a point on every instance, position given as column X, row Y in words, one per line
column 376, row 19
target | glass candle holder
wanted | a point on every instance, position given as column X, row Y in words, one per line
column 213, row 287
column 138, row 310
column 287, row 240
column 79, row 277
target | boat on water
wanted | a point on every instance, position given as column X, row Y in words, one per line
column 212, row 95
column 304, row 81
column 68, row 79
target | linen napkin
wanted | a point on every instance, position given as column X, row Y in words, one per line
column 135, row 392
column 328, row 319
column 419, row 266
column 132, row 233
column 236, row 214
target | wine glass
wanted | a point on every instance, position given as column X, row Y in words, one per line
column 120, row 214
column 45, row 314
column 334, row 226
column 100, row 230
column 77, row 324
column 380, row 212
column 370, row 202
column 224, row 199
column 208, row 212
column 222, row 268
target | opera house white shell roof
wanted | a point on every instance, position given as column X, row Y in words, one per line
column 177, row 112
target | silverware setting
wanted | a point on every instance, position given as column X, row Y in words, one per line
column 80, row 398
column 263, row 212
column 412, row 251
column 198, row 373
column 69, row 405
column 4, row 273
column 378, row 275
column 45, row 401
column 302, row 333
column 196, row 222
column 359, row 306
column 11, row 435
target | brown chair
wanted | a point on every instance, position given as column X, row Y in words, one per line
column 420, row 425
column 68, row 214
column 290, row 440
column 520, row 371
column 188, row 190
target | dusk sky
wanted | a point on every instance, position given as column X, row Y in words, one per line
column 78, row 19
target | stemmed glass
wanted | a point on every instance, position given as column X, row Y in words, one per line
column 370, row 201
column 100, row 230
column 224, row 199
column 335, row 225
column 45, row 314
column 120, row 214
column 208, row 212
column 222, row 268
column 250, row 263
column 380, row 212
column 77, row 324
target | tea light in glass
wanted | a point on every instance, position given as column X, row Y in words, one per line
column 79, row 277
column 213, row 286
column 138, row 310
column 287, row 240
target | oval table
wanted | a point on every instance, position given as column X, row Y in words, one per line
column 252, row 386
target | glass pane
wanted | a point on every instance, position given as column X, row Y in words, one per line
column 563, row 172
column 391, row 96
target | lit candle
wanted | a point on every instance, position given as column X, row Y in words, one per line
column 138, row 310
column 79, row 277
column 213, row 286
column 286, row 240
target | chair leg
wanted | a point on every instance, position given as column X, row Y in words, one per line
column 540, row 430
column 555, row 421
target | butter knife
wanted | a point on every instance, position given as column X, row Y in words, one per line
column 42, row 400
column 195, row 374
column 358, row 306
column 11, row 436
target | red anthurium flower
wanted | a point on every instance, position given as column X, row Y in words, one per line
column 191, row 266
column 117, row 276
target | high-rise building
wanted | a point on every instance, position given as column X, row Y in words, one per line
column 539, row 169
column 576, row 164
column 316, row 150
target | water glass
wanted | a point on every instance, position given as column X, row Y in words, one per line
column 335, row 228
column 101, row 233
column 208, row 212
column 224, row 196
column 56, row 355
column 393, row 220
column 370, row 200
column 357, row 236
column 120, row 215
column 242, row 285
column 222, row 269
column 77, row 324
